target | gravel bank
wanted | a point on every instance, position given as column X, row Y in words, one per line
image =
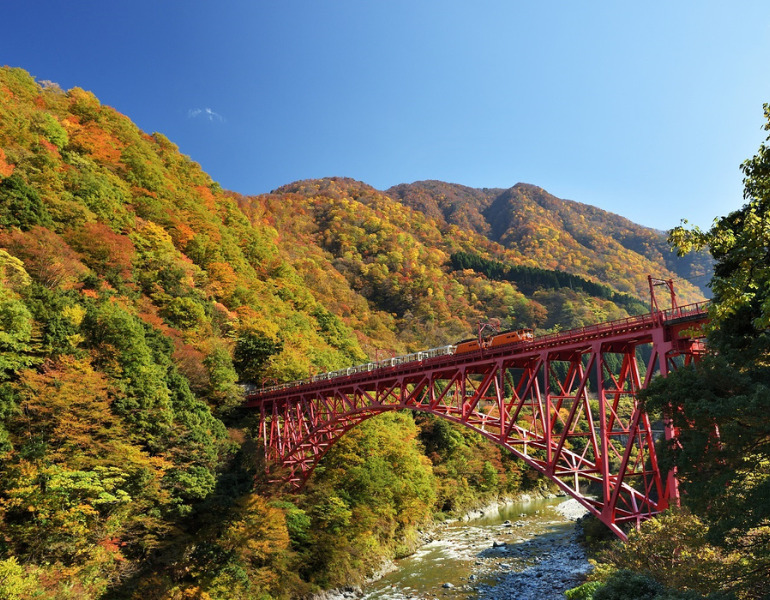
column 541, row 568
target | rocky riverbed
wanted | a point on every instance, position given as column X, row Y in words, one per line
column 541, row 568
column 524, row 550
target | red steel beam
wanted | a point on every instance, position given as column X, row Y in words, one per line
column 564, row 403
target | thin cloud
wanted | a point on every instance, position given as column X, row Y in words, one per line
column 205, row 113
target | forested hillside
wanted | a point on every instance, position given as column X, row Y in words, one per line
column 405, row 265
column 545, row 231
column 136, row 294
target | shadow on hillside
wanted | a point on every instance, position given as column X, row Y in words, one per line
column 191, row 547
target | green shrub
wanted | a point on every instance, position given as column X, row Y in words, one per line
column 20, row 205
column 583, row 592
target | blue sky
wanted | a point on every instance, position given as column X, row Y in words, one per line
column 645, row 109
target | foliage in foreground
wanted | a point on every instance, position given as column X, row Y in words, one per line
column 721, row 409
column 671, row 552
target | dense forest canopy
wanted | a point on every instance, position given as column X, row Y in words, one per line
column 550, row 233
column 136, row 295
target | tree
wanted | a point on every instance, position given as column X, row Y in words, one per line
column 224, row 391
column 672, row 550
column 47, row 257
column 15, row 333
column 722, row 405
column 20, row 205
column 108, row 253
column 252, row 351
column 76, row 476
column 14, row 583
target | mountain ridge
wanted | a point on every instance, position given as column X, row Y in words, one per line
column 525, row 216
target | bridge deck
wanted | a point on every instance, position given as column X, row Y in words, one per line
column 622, row 330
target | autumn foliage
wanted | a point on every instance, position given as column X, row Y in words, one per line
column 136, row 295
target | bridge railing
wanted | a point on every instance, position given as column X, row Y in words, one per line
column 562, row 337
column 589, row 331
column 362, row 368
column 388, row 362
column 689, row 310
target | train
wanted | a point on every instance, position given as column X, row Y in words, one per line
column 476, row 344
column 501, row 339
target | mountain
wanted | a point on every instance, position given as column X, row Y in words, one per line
column 403, row 279
column 543, row 230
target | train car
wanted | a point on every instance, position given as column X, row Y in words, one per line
column 501, row 339
column 467, row 346
column 512, row 337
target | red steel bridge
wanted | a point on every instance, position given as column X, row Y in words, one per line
column 564, row 403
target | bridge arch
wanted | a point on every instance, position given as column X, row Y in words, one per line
column 566, row 404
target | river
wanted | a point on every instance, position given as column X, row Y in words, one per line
column 519, row 551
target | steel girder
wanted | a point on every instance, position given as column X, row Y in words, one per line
column 566, row 405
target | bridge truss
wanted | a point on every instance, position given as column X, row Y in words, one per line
column 565, row 404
